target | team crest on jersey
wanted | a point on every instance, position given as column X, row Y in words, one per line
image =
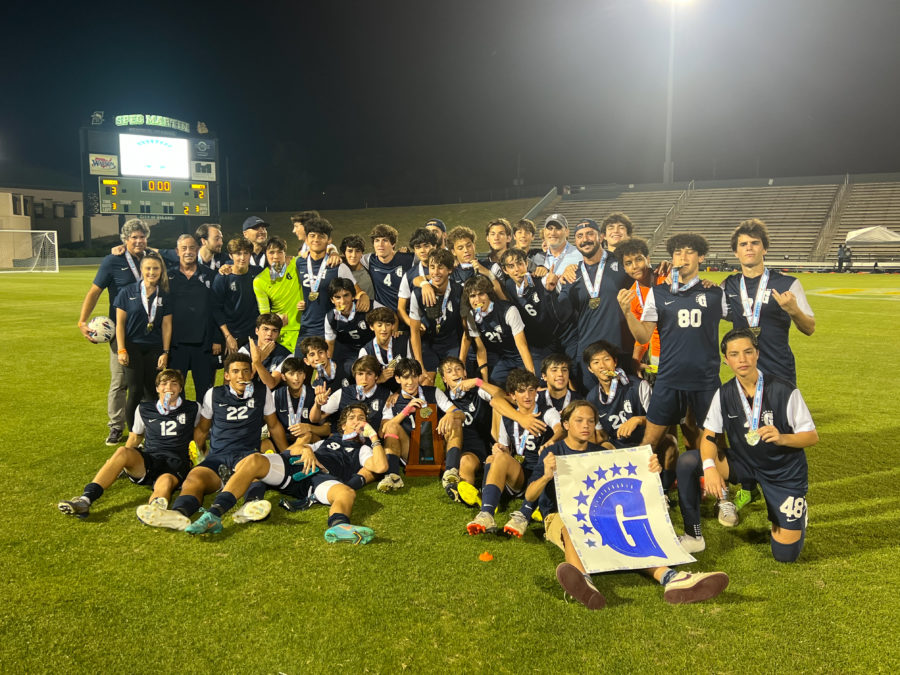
column 206, row 281
column 399, row 271
column 701, row 299
column 768, row 418
column 362, row 325
column 536, row 298
column 234, row 285
column 376, row 405
column 288, row 275
column 251, row 403
column 627, row 406
column 472, row 407
column 614, row 265
column 182, row 418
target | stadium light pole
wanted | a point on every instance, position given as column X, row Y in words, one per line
column 669, row 165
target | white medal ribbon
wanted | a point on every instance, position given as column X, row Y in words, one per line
column 752, row 311
column 163, row 406
column 593, row 288
column 134, row 268
column 339, row 316
column 613, row 386
column 752, row 415
column 274, row 276
column 440, row 321
column 412, row 416
column 520, row 442
column 248, row 391
column 557, row 259
column 390, row 351
column 677, row 289
column 637, row 290
column 149, row 306
column 315, row 279
column 294, row 416
column 481, row 313
column 525, row 285
column 550, row 400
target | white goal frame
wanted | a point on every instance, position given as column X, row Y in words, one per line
column 14, row 250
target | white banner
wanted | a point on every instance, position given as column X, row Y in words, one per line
column 615, row 511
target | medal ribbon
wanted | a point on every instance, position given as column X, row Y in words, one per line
column 412, row 417
column 753, row 314
column 637, row 289
column 149, row 307
column 613, row 386
column 339, row 316
column 480, row 313
column 593, row 288
column 520, row 442
column 274, row 276
column 163, row 406
column 134, row 269
column 377, row 350
column 294, row 417
column 526, row 284
column 444, row 302
column 550, row 400
column 752, row 415
column 315, row 279
column 677, row 289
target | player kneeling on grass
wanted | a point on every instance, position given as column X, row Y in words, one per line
column 328, row 472
column 232, row 416
column 400, row 419
column 579, row 419
column 476, row 399
column 514, row 461
column 166, row 427
column 768, row 425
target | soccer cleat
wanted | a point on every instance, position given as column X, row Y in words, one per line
column 728, row 516
column 450, row 477
column 78, row 506
column 115, row 435
column 516, row 525
column 469, row 494
column 152, row 515
column 744, row 497
column 352, row 534
column 692, row 544
column 194, row 453
column 253, row 511
column 575, row 584
column 391, row 481
column 208, row 523
column 537, row 516
column 687, row 587
column 160, row 503
column 483, row 523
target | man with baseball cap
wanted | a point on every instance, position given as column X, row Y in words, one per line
column 256, row 231
column 437, row 226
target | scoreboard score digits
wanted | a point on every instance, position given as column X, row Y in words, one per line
column 153, row 197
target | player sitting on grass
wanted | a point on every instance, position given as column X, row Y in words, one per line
column 327, row 472
column 293, row 403
column 399, row 420
column 579, row 419
column 385, row 346
column 366, row 371
column 346, row 330
column 232, row 416
column 514, row 462
column 166, row 427
column 768, row 425
column 475, row 399
column 325, row 371
column 265, row 352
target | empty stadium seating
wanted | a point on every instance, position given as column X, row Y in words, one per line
column 869, row 204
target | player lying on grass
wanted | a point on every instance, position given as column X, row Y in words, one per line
column 476, row 399
column 579, row 419
column 366, row 372
column 399, row 420
column 166, row 427
column 232, row 416
column 328, row 472
column 768, row 425
column 265, row 352
column 514, row 462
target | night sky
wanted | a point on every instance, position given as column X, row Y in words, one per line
column 419, row 95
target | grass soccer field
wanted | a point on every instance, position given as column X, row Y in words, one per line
column 110, row 595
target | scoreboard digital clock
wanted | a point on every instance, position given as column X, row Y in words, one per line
column 142, row 196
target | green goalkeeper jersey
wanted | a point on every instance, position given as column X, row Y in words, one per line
column 281, row 295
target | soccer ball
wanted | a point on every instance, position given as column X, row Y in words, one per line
column 102, row 329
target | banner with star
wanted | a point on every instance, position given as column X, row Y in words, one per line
column 615, row 511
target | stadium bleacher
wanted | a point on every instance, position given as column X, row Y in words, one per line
column 869, row 204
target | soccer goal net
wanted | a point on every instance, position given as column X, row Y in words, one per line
column 28, row 251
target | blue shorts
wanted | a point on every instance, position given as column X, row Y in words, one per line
column 785, row 502
column 669, row 406
column 223, row 465
column 475, row 444
column 159, row 465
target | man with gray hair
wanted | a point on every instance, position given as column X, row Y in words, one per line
column 116, row 272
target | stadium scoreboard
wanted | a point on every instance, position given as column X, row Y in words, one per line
column 148, row 165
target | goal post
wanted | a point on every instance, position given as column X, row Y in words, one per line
column 28, row 251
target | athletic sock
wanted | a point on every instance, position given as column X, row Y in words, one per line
column 223, row 504
column 487, row 470
column 393, row 464
column 92, row 492
column 257, row 490
column 356, row 482
column 454, row 455
column 186, row 505
column 490, row 497
column 338, row 519
column 527, row 509
column 667, row 577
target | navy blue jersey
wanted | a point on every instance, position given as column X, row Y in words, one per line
column 443, row 325
column 215, row 262
column 559, row 449
column 287, row 407
column 259, row 260
column 129, row 300
column 475, row 404
column 520, row 441
column 331, row 377
column 191, row 306
column 387, row 276
column 273, row 361
column 782, row 407
column 688, row 324
column 398, row 347
column 115, row 274
column 462, row 273
column 429, row 395
column 558, row 403
column 418, row 269
column 236, row 422
column 313, row 280
column 349, row 333
column 536, row 314
column 342, row 458
column 775, row 355
column 494, row 267
column 498, row 329
column 167, row 435
column 340, row 399
column 586, row 324
column 234, row 304
column 629, row 400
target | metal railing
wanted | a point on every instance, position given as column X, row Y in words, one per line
column 832, row 221
column 671, row 214
column 541, row 205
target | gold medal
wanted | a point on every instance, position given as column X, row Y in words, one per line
column 752, row 437
column 756, row 330
column 425, row 413
column 314, row 295
column 520, row 459
column 150, row 327
column 594, row 303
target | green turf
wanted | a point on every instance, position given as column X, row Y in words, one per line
column 110, row 595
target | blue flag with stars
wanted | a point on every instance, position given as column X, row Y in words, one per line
column 615, row 511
